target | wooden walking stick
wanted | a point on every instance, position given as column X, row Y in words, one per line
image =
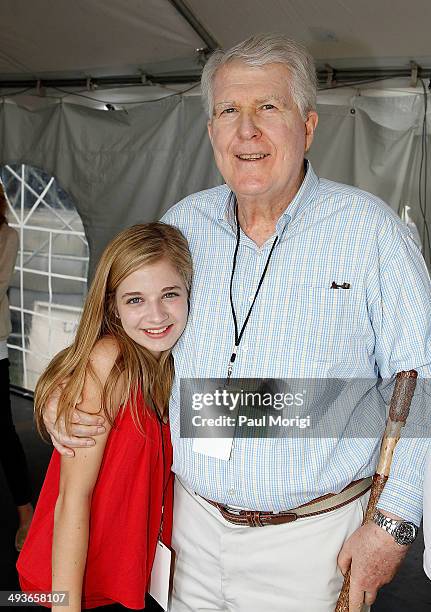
column 405, row 385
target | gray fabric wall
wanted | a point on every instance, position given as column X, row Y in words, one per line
column 127, row 167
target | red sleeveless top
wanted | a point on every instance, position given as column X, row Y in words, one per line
column 126, row 511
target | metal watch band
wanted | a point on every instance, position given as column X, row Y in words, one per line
column 403, row 532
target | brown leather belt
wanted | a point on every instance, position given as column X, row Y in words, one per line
column 320, row 505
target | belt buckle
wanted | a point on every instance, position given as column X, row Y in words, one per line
column 253, row 518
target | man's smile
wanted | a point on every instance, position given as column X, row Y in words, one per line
column 251, row 156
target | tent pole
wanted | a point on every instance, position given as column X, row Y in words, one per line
column 194, row 22
column 338, row 76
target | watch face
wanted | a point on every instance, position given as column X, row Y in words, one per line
column 405, row 533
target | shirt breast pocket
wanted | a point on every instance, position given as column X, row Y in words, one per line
column 327, row 321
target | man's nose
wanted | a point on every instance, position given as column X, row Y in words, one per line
column 248, row 127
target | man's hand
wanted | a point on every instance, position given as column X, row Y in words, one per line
column 374, row 558
column 83, row 426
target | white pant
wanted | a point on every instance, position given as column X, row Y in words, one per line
column 276, row 568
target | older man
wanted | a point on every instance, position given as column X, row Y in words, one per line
column 295, row 276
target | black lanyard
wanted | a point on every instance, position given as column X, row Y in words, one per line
column 238, row 336
column 164, row 484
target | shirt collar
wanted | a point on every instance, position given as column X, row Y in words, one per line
column 300, row 202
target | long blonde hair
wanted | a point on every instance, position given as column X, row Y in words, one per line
column 135, row 367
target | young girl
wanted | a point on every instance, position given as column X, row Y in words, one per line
column 100, row 513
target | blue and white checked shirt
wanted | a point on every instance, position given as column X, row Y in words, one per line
column 301, row 328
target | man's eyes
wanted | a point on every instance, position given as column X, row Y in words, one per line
column 231, row 109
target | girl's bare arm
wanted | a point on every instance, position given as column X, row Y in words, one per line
column 77, row 479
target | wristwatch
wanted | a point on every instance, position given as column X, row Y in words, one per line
column 403, row 532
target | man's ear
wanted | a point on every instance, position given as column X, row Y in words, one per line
column 210, row 130
column 310, row 126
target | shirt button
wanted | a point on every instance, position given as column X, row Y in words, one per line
column 245, row 348
column 251, row 298
column 231, row 492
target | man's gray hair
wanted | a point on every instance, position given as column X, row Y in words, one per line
column 262, row 49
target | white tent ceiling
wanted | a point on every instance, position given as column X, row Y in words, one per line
column 92, row 38
column 154, row 148
column 347, row 30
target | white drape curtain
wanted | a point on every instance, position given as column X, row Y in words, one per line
column 126, row 167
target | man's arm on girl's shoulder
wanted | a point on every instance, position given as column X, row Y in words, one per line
column 77, row 479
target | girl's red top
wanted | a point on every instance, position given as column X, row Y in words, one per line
column 135, row 478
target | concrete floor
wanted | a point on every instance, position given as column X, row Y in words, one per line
column 410, row 591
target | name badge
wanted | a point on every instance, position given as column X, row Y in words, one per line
column 219, row 448
column 160, row 575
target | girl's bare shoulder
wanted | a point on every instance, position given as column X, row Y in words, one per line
column 103, row 357
column 101, row 362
